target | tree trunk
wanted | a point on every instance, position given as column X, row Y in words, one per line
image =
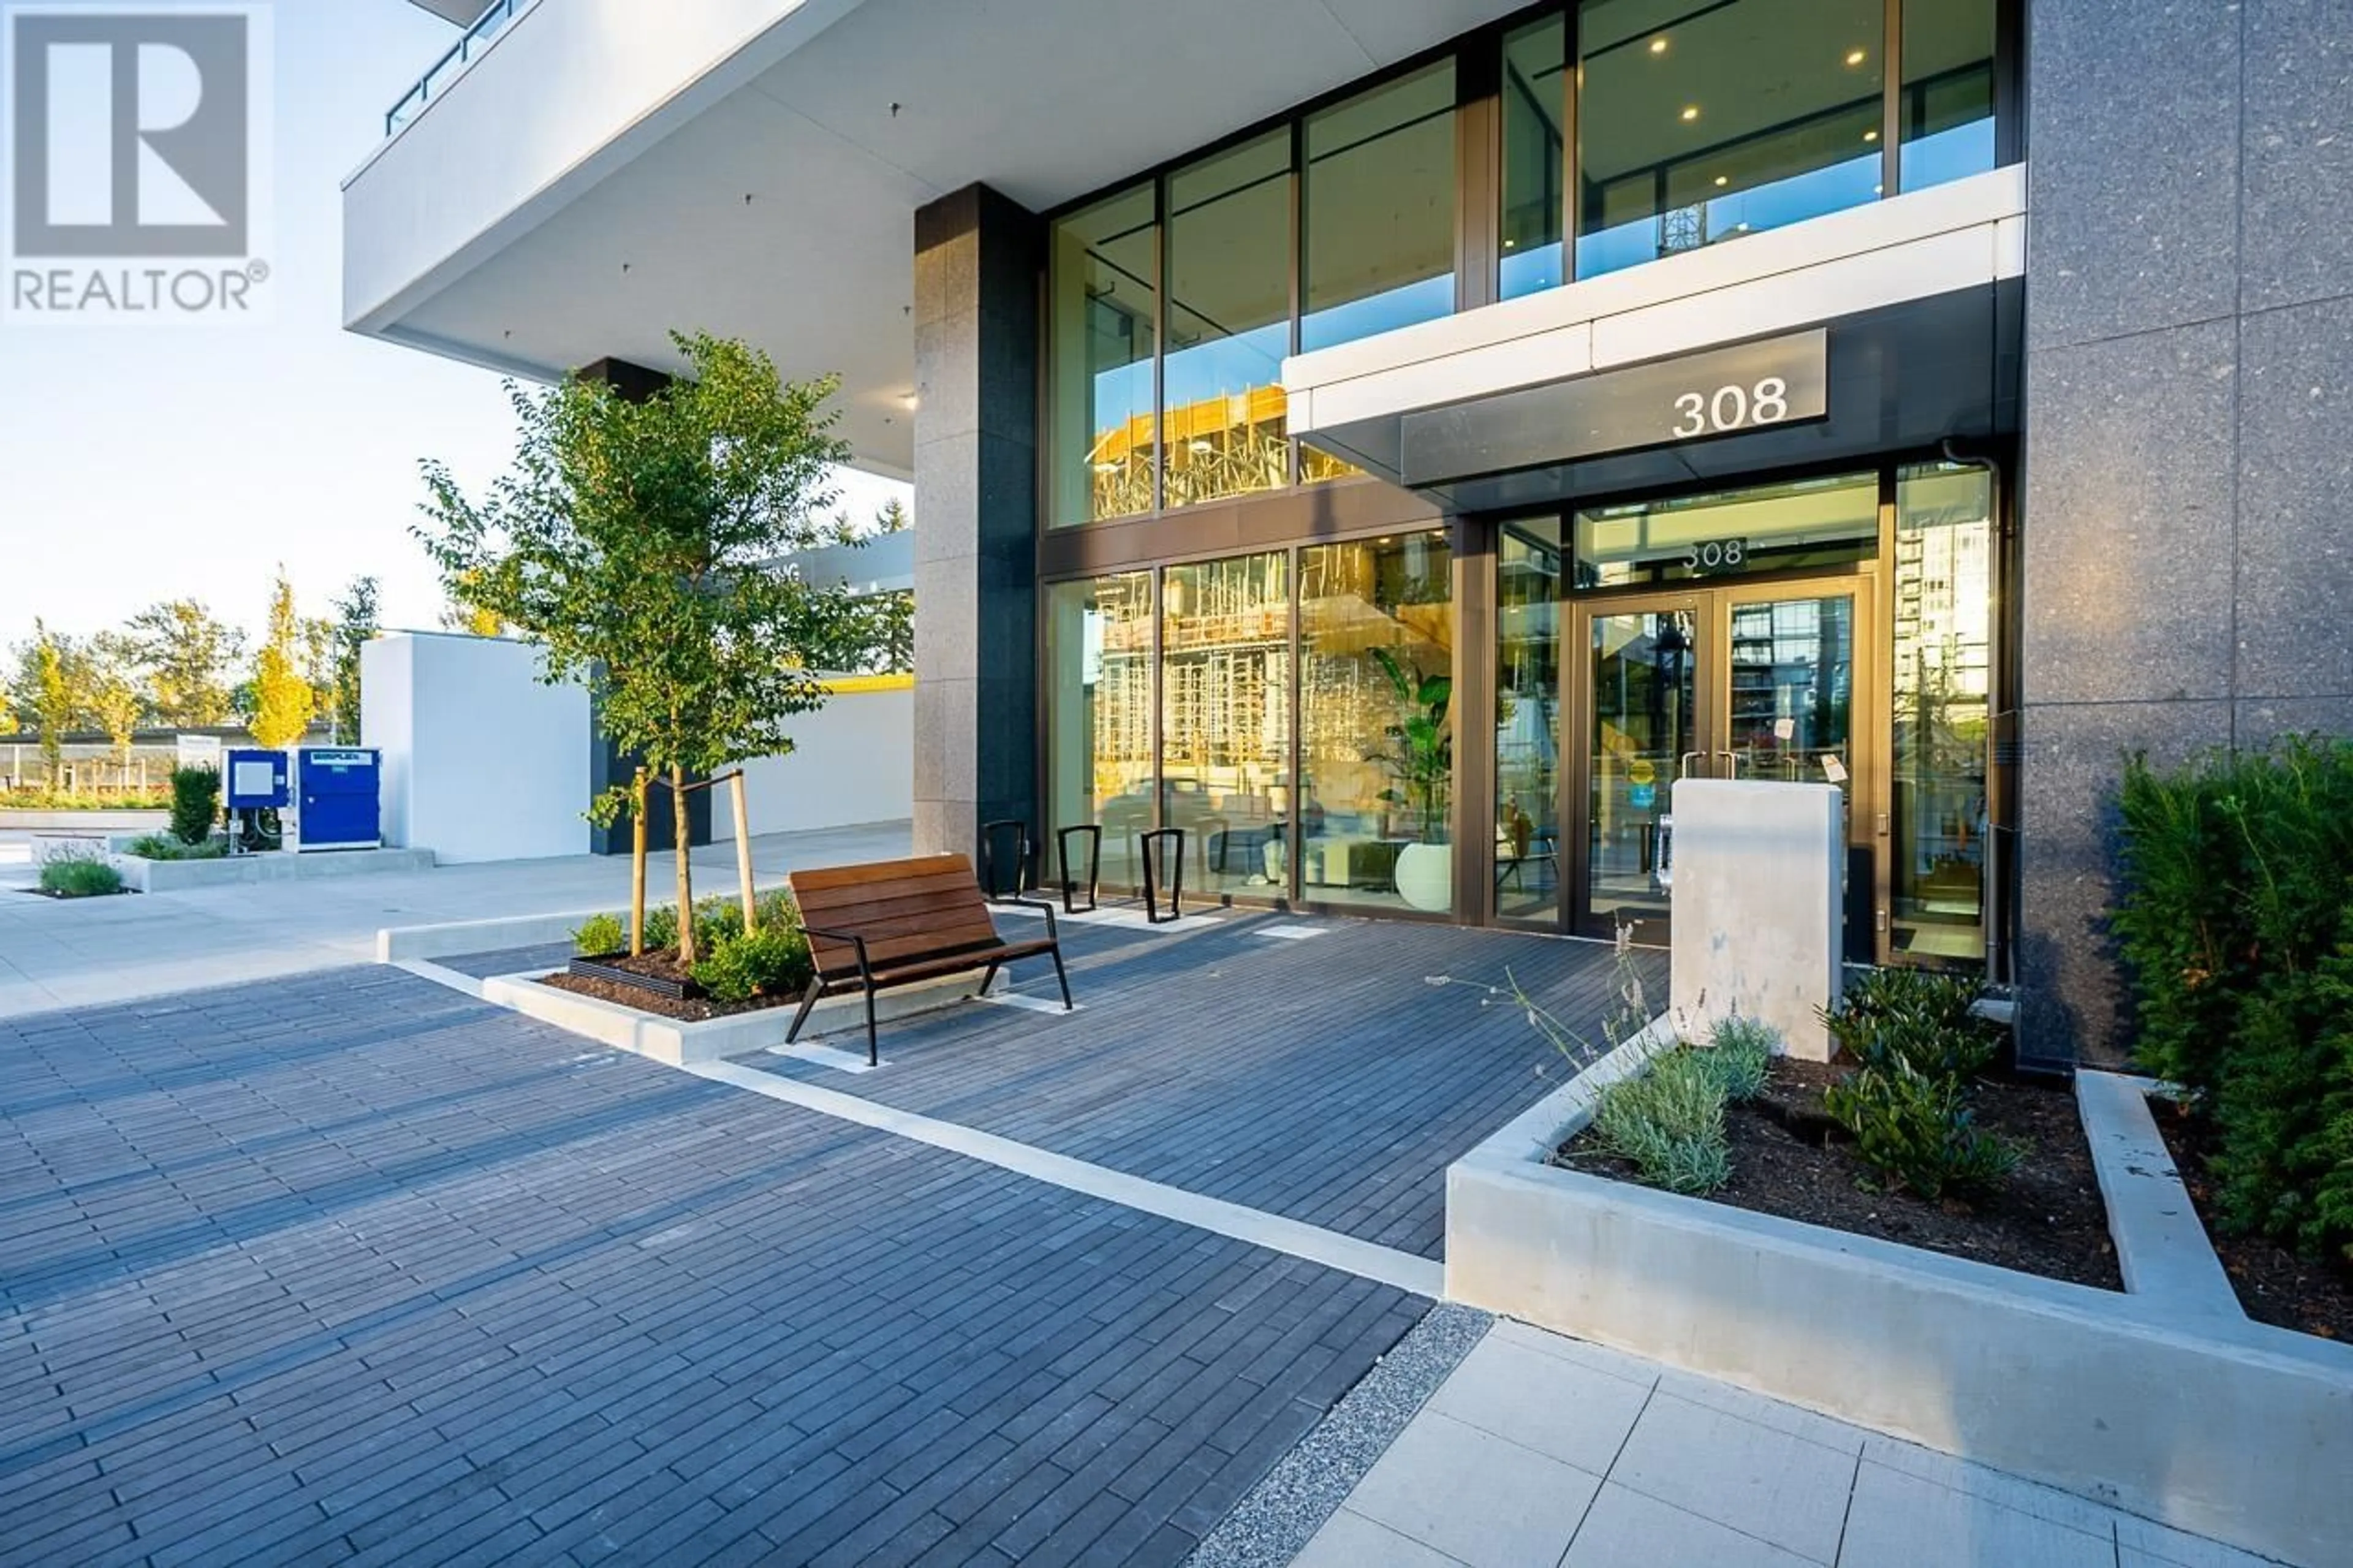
column 638, row 865
column 678, row 836
column 743, row 851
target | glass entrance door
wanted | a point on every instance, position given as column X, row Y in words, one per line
column 1766, row 681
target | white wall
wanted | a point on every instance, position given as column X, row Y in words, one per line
column 482, row 762
column 853, row 760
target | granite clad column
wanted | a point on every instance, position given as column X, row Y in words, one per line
column 978, row 259
column 2189, row 387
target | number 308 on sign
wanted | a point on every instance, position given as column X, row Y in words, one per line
column 1732, row 407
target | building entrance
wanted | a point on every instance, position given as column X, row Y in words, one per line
column 1765, row 680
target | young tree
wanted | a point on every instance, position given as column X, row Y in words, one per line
column 188, row 656
column 631, row 541
column 318, row 639
column 282, row 700
column 354, row 626
column 118, row 695
column 892, row 518
column 56, row 703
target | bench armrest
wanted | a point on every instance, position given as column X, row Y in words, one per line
column 865, row 971
column 1052, row 933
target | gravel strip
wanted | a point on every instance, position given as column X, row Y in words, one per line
column 1270, row 1526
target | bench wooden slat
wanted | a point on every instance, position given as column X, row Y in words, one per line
column 917, row 919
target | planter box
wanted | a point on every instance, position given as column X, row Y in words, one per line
column 743, row 1034
column 234, row 870
column 2150, row 1403
column 606, row 966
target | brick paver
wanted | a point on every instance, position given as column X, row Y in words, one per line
column 1330, row 1079
column 349, row 1266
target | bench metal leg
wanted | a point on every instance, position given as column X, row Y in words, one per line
column 873, row 1046
column 1062, row 976
column 986, row 980
column 808, row 1000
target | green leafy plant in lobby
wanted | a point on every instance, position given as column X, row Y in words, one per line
column 632, row 541
column 195, row 804
column 1419, row 755
column 2233, row 926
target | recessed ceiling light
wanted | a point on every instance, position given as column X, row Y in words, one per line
column 1879, row 190
column 1691, row 111
column 1871, row 135
column 1854, row 56
column 1659, row 45
column 1740, row 229
column 1510, row 243
column 1724, row 179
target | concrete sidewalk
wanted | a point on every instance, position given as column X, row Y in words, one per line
column 56, row 954
column 1540, row 1450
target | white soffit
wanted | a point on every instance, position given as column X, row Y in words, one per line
column 1913, row 247
column 869, row 108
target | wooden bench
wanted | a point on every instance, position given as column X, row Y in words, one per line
column 895, row 922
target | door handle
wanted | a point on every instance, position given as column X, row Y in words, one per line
column 1683, row 765
column 1734, row 757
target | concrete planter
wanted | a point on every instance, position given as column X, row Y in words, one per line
column 181, row 875
column 680, row 1043
column 2155, row 1403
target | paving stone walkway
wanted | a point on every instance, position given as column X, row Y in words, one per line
column 1540, row 1451
column 352, row 1266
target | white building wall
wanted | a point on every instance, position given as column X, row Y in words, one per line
column 853, row 760
column 482, row 761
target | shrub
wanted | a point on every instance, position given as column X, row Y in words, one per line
column 1669, row 1122
column 1739, row 1051
column 598, row 935
column 661, row 928
column 717, row 920
column 1915, row 1131
column 2237, row 869
column 771, row 962
column 80, row 879
column 195, row 804
column 164, row 847
column 1916, row 1017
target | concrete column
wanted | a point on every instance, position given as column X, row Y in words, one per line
column 2189, row 381
column 977, row 260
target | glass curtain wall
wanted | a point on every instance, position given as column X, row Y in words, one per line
column 1224, row 717
column 1099, row 721
column 1379, row 243
column 1103, row 283
column 1943, row 680
column 1527, row 720
column 1376, row 723
column 1228, row 323
column 1536, row 165
column 1947, row 111
column 1700, row 122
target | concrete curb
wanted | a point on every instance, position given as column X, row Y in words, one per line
column 2161, row 1248
column 2228, row 1429
column 447, row 938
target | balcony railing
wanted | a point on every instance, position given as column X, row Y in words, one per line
column 453, row 65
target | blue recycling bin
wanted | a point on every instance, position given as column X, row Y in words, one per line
column 337, row 788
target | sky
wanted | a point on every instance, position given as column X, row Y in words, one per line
column 147, row 463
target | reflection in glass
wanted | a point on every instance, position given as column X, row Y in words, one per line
column 1377, row 732
column 1792, row 717
column 1944, row 633
column 1645, row 673
column 1099, row 719
column 1380, row 210
column 1102, row 282
column 1228, row 322
column 1946, row 112
column 1224, row 724
column 1766, row 528
column 1699, row 124
column 1527, row 720
column 1534, row 94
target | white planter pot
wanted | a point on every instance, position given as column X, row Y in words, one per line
column 1425, row 875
